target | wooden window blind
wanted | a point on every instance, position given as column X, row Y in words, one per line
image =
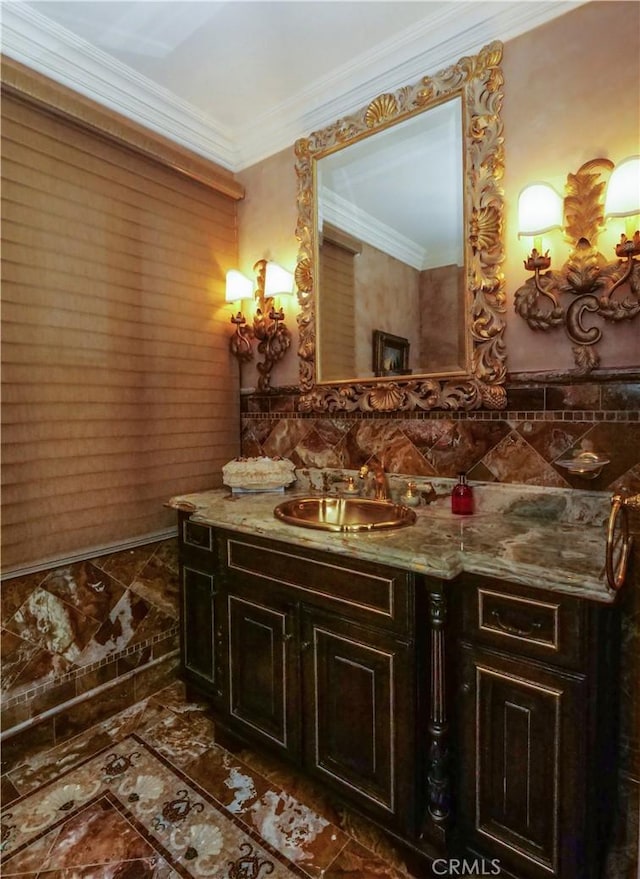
column 337, row 315
column 118, row 387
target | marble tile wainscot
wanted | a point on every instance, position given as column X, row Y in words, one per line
column 83, row 641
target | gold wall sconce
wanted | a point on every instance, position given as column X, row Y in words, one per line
column 268, row 328
column 587, row 282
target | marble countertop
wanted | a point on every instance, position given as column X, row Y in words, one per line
column 562, row 554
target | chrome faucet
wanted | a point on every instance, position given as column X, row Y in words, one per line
column 380, row 479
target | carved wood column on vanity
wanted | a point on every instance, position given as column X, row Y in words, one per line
column 438, row 781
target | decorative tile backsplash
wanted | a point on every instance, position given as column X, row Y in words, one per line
column 513, row 448
column 543, row 422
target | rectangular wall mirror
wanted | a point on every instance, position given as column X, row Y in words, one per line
column 400, row 230
column 390, row 247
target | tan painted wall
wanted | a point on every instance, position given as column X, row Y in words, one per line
column 267, row 219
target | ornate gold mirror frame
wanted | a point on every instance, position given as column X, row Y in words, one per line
column 478, row 81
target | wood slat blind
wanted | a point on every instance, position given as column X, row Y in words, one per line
column 118, row 387
column 337, row 316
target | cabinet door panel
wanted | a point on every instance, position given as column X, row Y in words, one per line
column 259, row 684
column 198, row 626
column 353, row 723
column 522, row 744
column 355, row 685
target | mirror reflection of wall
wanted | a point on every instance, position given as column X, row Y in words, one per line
column 442, row 320
column 388, row 299
column 396, row 198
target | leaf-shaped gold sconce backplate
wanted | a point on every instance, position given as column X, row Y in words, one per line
column 587, row 284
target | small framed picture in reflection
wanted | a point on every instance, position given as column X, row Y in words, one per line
column 390, row 354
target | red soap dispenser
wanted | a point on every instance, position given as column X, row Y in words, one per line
column 462, row 497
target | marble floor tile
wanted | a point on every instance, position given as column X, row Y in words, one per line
column 148, row 794
column 45, row 765
column 357, row 862
column 181, row 738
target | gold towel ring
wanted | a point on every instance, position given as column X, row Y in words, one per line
column 617, row 568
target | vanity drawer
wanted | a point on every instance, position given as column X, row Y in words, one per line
column 534, row 623
column 198, row 544
column 197, row 535
column 377, row 594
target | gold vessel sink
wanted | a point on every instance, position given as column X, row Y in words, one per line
column 344, row 514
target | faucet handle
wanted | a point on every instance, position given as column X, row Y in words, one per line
column 351, row 488
column 411, row 496
column 428, row 492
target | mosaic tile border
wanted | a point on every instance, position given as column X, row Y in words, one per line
column 112, row 660
column 504, row 415
column 194, row 817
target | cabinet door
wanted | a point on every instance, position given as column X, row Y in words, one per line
column 358, row 723
column 263, row 679
column 521, row 781
column 198, row 619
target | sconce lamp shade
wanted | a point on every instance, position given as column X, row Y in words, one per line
column 278, row 281
column 539, row 209
column 238, row 286
column 623, row 191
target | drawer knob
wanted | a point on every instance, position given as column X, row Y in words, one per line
column 287, row 636
column 515, row 630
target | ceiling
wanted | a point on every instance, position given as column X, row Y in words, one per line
column 240, row 80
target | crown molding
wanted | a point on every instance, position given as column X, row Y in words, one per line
column 48, row 48
column 460, row 28
column 463, row 28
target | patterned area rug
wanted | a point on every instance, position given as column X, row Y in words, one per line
column 127, row 813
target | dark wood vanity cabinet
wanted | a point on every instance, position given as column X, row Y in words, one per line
column 320, row 668
column 474, row 718
column 534, row 729
column 262, row 667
